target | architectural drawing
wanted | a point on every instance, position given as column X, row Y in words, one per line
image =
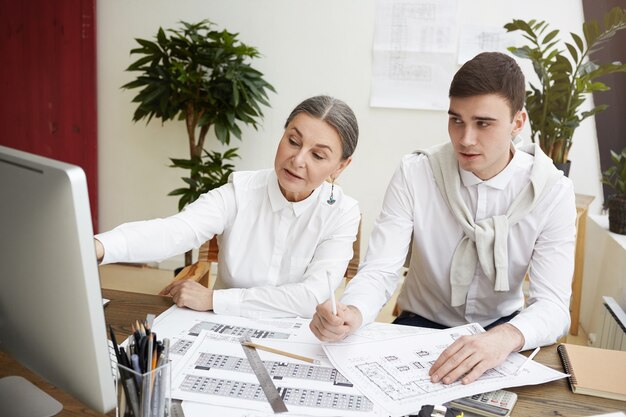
column 217, row 372
column 237, row 331
column 393, row 373
column 301, row 397
column 277, row 370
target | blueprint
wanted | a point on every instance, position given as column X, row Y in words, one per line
column 182, row 326
column 393, row 373
column 210, row 371
column 217, row 372
column 414, row 50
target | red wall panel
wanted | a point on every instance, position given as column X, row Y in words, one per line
column 48, row 81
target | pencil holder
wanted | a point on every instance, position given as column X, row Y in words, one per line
column 143, row 394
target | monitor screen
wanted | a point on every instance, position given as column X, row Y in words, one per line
column 51, row 314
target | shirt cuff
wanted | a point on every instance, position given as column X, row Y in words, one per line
column 368, row 314
column 526, row 326
column 228, row 301
column 115, row 247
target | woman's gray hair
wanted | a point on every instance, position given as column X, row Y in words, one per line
column 337, row 114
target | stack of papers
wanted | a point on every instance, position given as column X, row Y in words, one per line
column 381, row 370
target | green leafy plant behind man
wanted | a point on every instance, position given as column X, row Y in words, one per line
column 553, row 105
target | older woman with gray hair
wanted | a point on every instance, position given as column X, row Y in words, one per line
column 280, row 231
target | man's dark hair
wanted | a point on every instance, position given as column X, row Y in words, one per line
column 491, row 73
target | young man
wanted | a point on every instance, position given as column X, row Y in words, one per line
column 480, row 214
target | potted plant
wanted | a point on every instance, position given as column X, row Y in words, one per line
column 615, row 177
column 565, row 79
column 204, row 77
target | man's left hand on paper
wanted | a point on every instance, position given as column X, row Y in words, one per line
column 471, row 356
column 191, row 294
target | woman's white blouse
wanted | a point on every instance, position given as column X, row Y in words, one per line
column 273, row 255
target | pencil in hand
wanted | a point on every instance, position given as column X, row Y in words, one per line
column 331, row 291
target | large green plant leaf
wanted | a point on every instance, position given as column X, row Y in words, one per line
column 554, row 106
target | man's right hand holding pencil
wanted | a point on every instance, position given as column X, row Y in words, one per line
column 329, row 327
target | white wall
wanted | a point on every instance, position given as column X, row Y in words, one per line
column 309, row 47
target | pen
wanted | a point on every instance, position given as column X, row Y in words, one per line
column 146, row 389
column 127, row 381
column 164, row 361
column 141, row 351
column 149, row 353
column 136, row 335
column 333, row 302
column 528, row 359
column 156, row 391
column 281, row 352
column 120, row 361
column 131, row 393
column 134, row 361
column 124, row 358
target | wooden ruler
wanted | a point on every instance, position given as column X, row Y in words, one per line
column 267, row 385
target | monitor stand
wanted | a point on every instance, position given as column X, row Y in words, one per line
column 20, row 398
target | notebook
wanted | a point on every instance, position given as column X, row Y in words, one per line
column 593, row 371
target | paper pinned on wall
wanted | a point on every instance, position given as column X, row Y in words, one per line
column 474, row 39
column 409, row 80
column 415, row 43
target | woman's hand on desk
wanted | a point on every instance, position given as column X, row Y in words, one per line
column 191, row 294
column 328, row 327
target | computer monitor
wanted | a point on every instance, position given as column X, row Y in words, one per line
column 51, row 313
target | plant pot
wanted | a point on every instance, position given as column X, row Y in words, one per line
column 617, row 214
column 564, row 167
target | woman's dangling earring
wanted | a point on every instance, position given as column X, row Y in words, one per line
column 331, row 200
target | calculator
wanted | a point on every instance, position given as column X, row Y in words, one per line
column 491, row 404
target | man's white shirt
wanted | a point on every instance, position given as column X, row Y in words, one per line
column 542, row 243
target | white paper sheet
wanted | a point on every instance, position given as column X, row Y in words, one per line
column 192, row 333
column 414, row 51
column 393, row 373
column 411, row 80
column 474, row 39
column 416, row 25
column 216, row 372
column 182, row 326
column 382, row 331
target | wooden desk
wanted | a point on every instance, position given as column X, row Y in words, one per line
column 552, row 399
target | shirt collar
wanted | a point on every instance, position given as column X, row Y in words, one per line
column 501, row 180
column 279, row 202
